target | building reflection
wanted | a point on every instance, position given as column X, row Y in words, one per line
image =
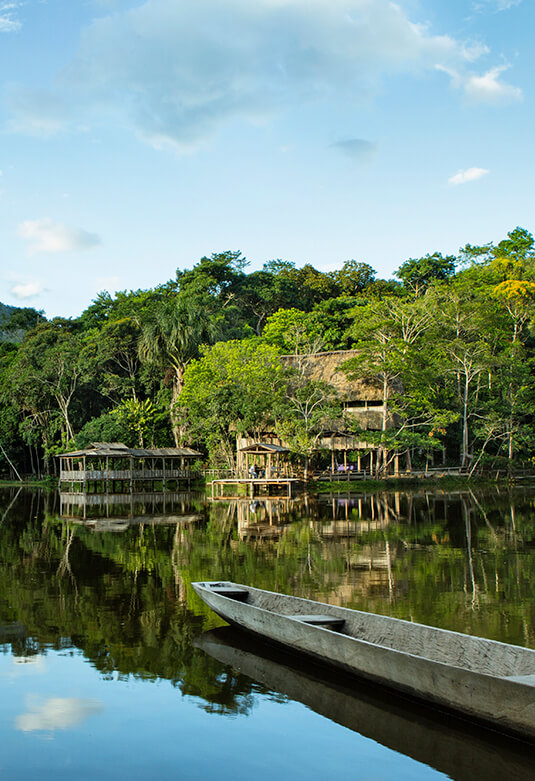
column 117, row 512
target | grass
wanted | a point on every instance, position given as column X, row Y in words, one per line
column 446, row 483
column 45, row 482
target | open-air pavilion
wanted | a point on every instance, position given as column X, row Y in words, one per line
column 262, row 470
column 265, row 459
column 112, row 465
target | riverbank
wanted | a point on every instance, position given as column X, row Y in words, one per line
column 446, row 483
column 46, row 482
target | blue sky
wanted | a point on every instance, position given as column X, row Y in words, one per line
column 137, row 137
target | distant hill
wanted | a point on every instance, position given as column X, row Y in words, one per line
column 15, row 321
column 5, row 313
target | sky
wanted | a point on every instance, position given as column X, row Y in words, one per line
column 137, row 137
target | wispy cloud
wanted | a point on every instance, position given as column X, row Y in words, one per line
column 57, row 713
column 496, row 5
column 468, row 175
column 488, row 87
column 36, row 111
column 24, row 290
column 107, row 283
column 8, row 17
column 175, row 71
column 355, row 148
column 44, row 235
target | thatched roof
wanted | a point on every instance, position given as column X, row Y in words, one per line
column 261, row 448
column 327, row 367
column 119, row 450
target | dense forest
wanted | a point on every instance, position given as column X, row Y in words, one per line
column 197, row 360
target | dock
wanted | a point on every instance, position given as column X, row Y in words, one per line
column 256, row 486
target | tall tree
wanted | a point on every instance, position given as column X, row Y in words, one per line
column 418, row 273
column 171, row 339
column 234, row 387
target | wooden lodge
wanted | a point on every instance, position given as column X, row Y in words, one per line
column 113, row 466
column 362, row 402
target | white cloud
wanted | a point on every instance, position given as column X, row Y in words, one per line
column 496, row 5
column 489, row 88
column 468, row 175
column 25, row 290
column 474, row 50
column 8, row 17
column 486, row 88
column 44, row 235
column 174, row 71
column 57, row 713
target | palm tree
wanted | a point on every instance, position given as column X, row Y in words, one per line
column 172, row 338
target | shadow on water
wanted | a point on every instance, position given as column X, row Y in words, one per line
column 443, row 742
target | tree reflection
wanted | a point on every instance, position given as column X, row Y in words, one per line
column 463, row 561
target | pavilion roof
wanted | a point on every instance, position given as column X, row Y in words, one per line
column 261, row 448
column 117, row 449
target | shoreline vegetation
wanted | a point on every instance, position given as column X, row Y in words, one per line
column 445, row 483
column 439, row 362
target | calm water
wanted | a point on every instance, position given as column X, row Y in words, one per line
column 110, row 666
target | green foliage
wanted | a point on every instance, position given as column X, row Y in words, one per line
column 106, row 428
column 234, row 387
column 418, row 273
column 137, row 417
column 449, row 347
column 293, row 331
column 354, row 277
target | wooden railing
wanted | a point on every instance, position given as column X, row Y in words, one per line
column 85, row 475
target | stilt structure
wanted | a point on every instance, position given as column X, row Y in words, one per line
column 111, row 467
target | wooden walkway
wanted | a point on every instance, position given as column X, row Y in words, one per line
column 257, row 486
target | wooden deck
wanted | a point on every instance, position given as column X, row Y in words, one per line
column 257, row 486
column 84, row 475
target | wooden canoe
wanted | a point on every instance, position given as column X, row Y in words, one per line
column 483, row 679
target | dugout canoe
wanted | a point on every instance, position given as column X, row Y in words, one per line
column 485, row 680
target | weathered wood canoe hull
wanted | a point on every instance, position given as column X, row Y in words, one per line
column 483, row 679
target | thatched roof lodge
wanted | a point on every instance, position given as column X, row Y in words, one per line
column 362, row 398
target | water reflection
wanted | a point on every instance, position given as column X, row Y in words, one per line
column 443, row 742
column 463, row 560
column 115, row 512
column 57, row 713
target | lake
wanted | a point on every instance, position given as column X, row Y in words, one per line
column 111, row 667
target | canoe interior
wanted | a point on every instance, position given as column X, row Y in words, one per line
column 476, row 654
